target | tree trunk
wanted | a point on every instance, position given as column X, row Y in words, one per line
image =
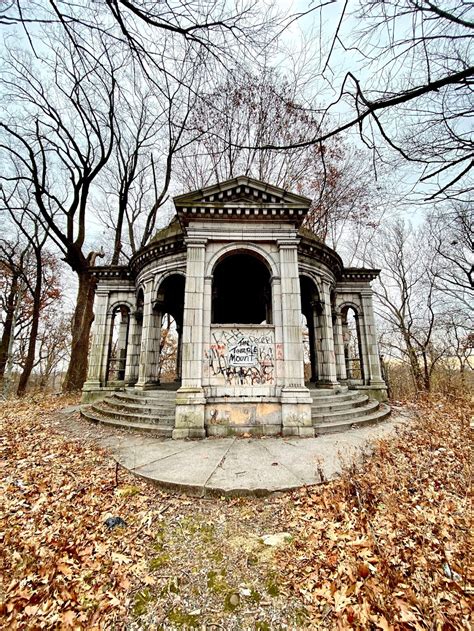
column 8, row 326
column 82, row 322
column 31, row 353
column 415, row 367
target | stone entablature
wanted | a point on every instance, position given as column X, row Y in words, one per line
column 239, row 276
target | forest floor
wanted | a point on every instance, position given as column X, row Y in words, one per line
column 386, row 546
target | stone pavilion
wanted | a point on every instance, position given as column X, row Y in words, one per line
column 274, row 334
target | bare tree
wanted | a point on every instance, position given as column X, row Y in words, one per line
column 57, row 136
column 408, row 303
column 251, row 110
column 400, row 74
column 29, row 226
column 13, row 261
column 452, row 235
column 150, row 132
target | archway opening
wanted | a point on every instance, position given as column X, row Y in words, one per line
column 169, row 340
column 308, row 373
column 170, row 306
column 352, row 344
column 118, row 342
column 310, row 309
column 241, row 291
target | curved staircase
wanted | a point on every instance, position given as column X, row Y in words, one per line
column 153, row 411
column 342, row 409
column 148, row 411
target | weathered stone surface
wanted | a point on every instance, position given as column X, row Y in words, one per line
column 243, row 377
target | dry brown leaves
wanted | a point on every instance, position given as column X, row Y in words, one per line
column 387, row 547
column 384, row 548
column 60, row 565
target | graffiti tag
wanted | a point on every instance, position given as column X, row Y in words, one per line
column 242, row 357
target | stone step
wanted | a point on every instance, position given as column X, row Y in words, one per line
column 381, row 414
column 146, row 401
column 345, row 414
column 322, row 391
column 139, row 407
column 336, row 405
column 151, row 394
column 156, row 430
column 336, row 398
column 103, row 409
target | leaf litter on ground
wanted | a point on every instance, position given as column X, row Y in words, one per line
column 384, row 547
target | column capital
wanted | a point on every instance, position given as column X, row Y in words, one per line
column 196, row 242
column 288, row 243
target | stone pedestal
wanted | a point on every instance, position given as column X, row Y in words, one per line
column 190, row 413
column 296, row 412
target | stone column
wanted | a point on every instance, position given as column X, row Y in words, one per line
column 190, row 400
column 341, row 371
column 179, row 349
column 328, row 374
column 206, row 339
column 373, row 373
column 122, row 343
column 295, row 399
column 99, row 345
column 148, row 370
column 133, row 349
column 277, row 321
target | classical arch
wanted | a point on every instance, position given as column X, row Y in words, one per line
column 241, row 288
column 170, row 307
column 119, row 325
column 310, row 309
column 353, row 354
column 258, row 251
column 120, row 303
column 161, row 277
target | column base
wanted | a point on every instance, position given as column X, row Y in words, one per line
column 326, row 383
column 190, row 414
column 296, row 412
column 375, row 390
column 92, row 391
column 148, row 385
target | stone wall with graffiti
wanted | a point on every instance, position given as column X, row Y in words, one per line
column 243, row 356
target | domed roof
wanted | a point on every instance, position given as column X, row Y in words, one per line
column 173, row 229
column 306, row 233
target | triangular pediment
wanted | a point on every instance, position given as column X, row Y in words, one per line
column 244, row 191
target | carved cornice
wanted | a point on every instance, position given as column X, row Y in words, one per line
column 111, row 272
column 319, row 251
column 242, row 213
column 359, row 274
column 156, row 250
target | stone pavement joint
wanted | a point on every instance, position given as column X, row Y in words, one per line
column 219, row 464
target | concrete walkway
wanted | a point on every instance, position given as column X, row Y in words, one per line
column 240, row 466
